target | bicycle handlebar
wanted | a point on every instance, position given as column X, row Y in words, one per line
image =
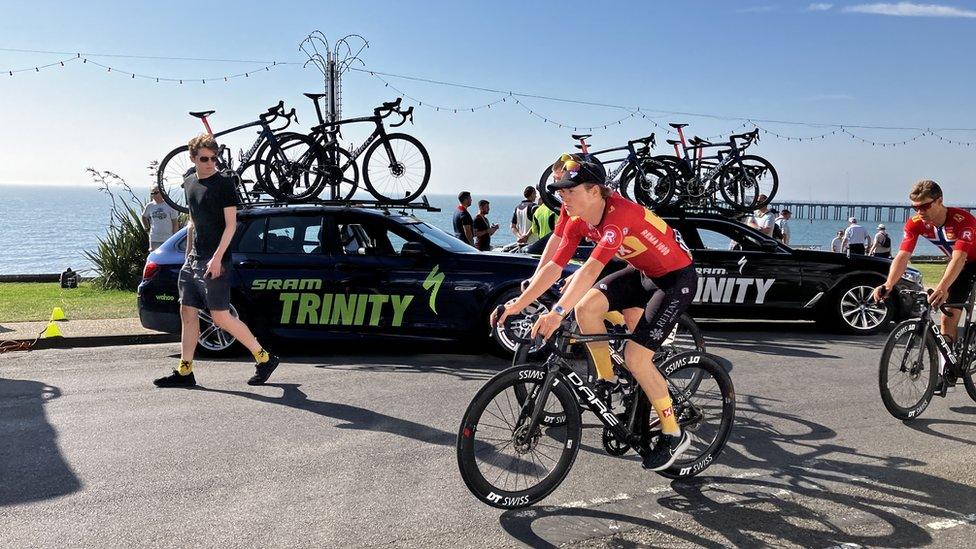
column 648, row 141
column 405, row 114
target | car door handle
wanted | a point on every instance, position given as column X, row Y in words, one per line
column 248, row 264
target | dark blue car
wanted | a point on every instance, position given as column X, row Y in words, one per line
column 330, row 272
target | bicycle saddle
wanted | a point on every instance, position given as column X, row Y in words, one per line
column 699, row 141
column 202, row 114
column 315, row 96
column 577, row 136
column 673, row 142
column 677, row 126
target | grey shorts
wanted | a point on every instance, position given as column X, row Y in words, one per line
column 204, row 293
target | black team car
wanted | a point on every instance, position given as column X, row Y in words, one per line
column 344, row 273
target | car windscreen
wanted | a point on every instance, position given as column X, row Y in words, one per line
column 439, row 237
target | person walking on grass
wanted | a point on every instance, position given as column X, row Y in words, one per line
column 204, row 280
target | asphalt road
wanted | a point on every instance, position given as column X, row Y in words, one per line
column 358, row 450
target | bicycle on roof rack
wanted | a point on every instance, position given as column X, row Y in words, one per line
column 740, row 178
column 278, row 168
column 653, row 181
column 514, row 451
column 396, row 166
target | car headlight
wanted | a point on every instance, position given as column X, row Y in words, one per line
column 913, row 276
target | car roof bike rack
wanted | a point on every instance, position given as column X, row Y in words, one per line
column 385, row 205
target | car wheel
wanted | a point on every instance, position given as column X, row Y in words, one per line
column 852, row 311
column 506, row 339
column 213, row 341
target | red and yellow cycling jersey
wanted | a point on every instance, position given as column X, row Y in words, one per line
column 957, row 233
column 628, row 230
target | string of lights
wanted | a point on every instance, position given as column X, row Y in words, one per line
column 951, row 141
column 884, row 143
column 197, row 80
column 548, row 120
column 436, row 107
column 39, row 68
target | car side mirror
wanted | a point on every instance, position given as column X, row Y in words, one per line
column 413, row 249
column 769, row 245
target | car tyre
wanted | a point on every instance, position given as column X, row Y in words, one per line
column 850, row 310
column 216, row 342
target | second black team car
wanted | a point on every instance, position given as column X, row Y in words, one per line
column 330, row 272
column 743, row 273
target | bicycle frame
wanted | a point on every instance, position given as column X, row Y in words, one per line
column 928, row 324
column 630, row 159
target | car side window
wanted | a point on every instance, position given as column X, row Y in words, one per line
column 725, row 236
column 252, row 239
column 298, row 234
column 369, row 237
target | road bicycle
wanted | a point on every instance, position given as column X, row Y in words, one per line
column 509, row 457
column 653, row 182
column 396, row 166
column 740, row 178
column 911, row 372
column 278, row 169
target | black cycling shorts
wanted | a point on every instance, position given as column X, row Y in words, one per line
column 963, row 286
column 663, row 299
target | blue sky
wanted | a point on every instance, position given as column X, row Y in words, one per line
column 877, row 64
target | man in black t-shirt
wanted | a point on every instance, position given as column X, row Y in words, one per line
column 462, row 219
column 204, row 281
column 483, row 229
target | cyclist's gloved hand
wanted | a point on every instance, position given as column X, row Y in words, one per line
column 502, row 312
column 880, row 293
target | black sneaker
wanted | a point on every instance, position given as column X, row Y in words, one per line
column 667, row 450
column 263, row 371
column 176, row 380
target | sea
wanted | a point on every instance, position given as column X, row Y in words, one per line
column 44, row 229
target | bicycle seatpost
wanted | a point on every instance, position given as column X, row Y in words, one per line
column 583, row 146
column 207, row 125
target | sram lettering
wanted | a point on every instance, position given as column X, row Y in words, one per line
column 286, row 284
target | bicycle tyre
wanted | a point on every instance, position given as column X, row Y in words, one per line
column 289, row 164
column 969, row 370
column 550, row 199
column 907, row 328
column 650, row 194
column 397, row 168
column 467, row 453
column 699, row 460
column 736, row 183
column 169, row 177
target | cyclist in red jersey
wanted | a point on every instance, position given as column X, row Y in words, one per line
column 659, row 285
column 953, row 231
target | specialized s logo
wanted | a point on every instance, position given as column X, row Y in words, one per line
column 433, row 283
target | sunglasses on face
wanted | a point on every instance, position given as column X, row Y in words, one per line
column 206, row 159
column 923, row 207
column 154, row 193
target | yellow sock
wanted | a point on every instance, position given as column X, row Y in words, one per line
column 262, row 356
column 600, row 353
column 185, row 368
column 669, row 423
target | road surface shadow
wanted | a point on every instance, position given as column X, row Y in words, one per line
column 809, row 492
column 354, row 417
column 31, row 465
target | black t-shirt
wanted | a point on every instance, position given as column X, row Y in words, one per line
column 461, row 218
column 482, row 242
column 207, row 199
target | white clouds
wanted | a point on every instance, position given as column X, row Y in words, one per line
column 820, row 6
column 910, row 9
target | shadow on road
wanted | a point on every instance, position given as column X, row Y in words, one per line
column 31, row 465
column 811, row 493
column 355, row 417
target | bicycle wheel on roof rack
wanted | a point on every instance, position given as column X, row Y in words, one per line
column 291, row 168
column 396, row 168
column 550, row 199
column 743, row 182
column 169, row 177
column 653, row 183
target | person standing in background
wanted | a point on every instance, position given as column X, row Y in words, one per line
column 783, row 222
column 462, row 219
column 763, row 219
column 522, row 218
column 160, row 219
column 837, row 244
column 856, row 237
column 881, row 246
column 483, row 229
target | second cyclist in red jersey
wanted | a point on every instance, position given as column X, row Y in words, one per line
column 658, row 285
